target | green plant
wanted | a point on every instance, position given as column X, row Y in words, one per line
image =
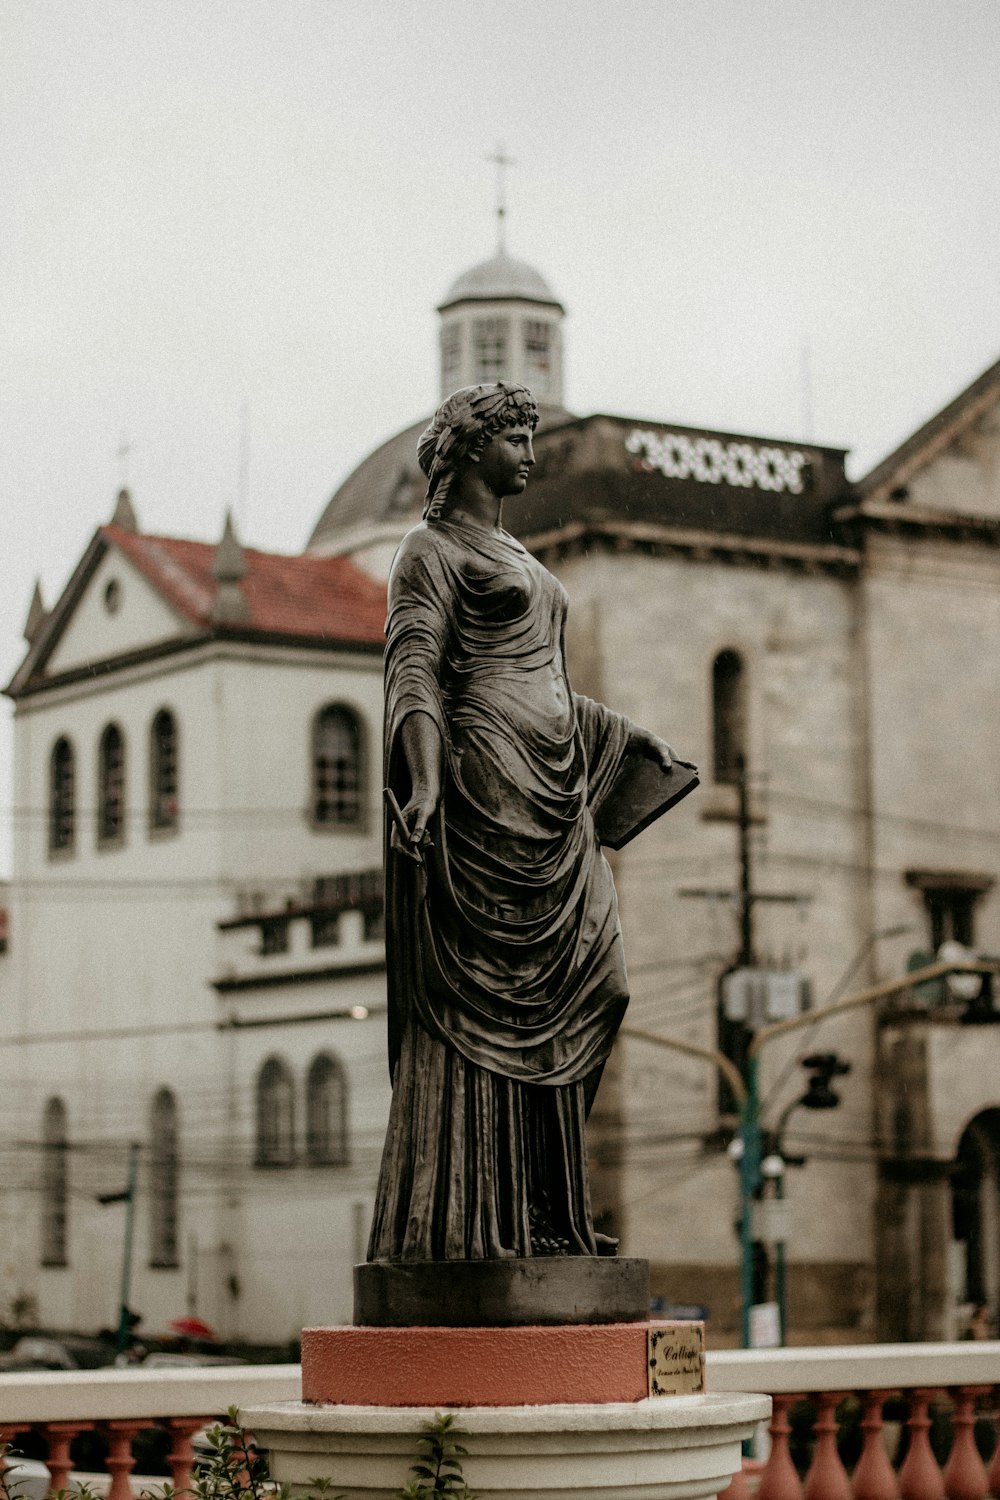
column 9, row 1488
column 438, row 1466
column 237, row 1471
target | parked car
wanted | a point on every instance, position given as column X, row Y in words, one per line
column 40, row 1352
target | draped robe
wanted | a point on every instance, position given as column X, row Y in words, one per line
column 506, row 979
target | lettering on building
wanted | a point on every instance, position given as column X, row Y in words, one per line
column 713, row 461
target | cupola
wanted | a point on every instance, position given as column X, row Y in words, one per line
column 500, row 320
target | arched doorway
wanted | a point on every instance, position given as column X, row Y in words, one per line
column 975, row 1207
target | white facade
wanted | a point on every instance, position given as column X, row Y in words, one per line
column 121, row 982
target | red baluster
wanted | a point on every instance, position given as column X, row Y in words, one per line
column 737, row 1489
column 827, row 1478
column 120, row 1460
column 994, row 1470
column 920, row 1478
column 874, row 1477
column 965, row 1476
column 181, row 1457
column 778, row 1480
column 59, row 1436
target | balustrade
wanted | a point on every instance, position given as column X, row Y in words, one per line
column 123, row 1405
column 832, row 1405
column 867, row 1422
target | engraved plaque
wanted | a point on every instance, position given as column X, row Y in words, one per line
column 676, row 1359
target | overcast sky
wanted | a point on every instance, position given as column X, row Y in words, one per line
column 235, row 217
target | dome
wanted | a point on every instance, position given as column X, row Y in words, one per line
column 387, row 487
column 500, row 277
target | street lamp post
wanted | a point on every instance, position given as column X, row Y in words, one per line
column 749, row 1182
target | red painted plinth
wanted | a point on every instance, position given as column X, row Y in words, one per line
column 578, row 1363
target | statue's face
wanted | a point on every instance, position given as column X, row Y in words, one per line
column 507, row 460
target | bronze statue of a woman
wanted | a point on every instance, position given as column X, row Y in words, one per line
column 506, row 977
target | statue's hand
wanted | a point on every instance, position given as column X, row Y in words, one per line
column 414, row 818
column 656, row 749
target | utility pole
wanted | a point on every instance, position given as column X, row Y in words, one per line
column 123, row 1312
column 128, row 1198
column 746, row 897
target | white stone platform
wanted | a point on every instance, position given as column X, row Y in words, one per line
column 682, row 1447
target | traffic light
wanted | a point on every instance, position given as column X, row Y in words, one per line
column 822, row 1068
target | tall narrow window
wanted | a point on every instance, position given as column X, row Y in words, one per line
column 62, row 798
column 337, row 781
column 55, row 1184
column 326, row 1112
column 538, row 339
column 728, row 715
column 490, row 339
column 275, row 1114
column 164, row 1174
column 111, row 787
column 163, row 772
column 451, row 357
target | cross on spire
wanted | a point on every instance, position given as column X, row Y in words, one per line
column 501, row 161
column 124, row 451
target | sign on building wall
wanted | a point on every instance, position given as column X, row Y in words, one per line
column 710, row 460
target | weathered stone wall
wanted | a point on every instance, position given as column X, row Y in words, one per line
column 643, row 634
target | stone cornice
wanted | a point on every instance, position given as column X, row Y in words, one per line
column 97, row 672
column 230, row 984
column 903, row 518
column 700, row 546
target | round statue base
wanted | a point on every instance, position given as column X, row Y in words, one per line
column 558, row 1289
column 660, row 1448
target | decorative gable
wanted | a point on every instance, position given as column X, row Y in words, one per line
column 133, row 595
column 948, row 468
column 117, row 613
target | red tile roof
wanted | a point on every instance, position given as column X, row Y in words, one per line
column 319, row 597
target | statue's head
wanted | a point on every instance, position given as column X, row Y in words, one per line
column 462, row 427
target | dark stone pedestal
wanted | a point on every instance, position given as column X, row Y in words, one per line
column 501, row 1293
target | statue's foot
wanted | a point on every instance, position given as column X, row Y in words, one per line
column 606, row 1244
column 544, row 1239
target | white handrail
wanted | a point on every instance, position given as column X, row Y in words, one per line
column 854, row 1367
column 102, row 1395
column 98, row 1395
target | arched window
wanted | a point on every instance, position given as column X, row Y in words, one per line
column 111, row 786
column 326, row 1112
column 164, row 1174
column 163, row 772
column 62, row 797
column 275, row 1114
column 55, row 1184
column 728, row 715
column 337, row 779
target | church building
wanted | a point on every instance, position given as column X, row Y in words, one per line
column 196, row 952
